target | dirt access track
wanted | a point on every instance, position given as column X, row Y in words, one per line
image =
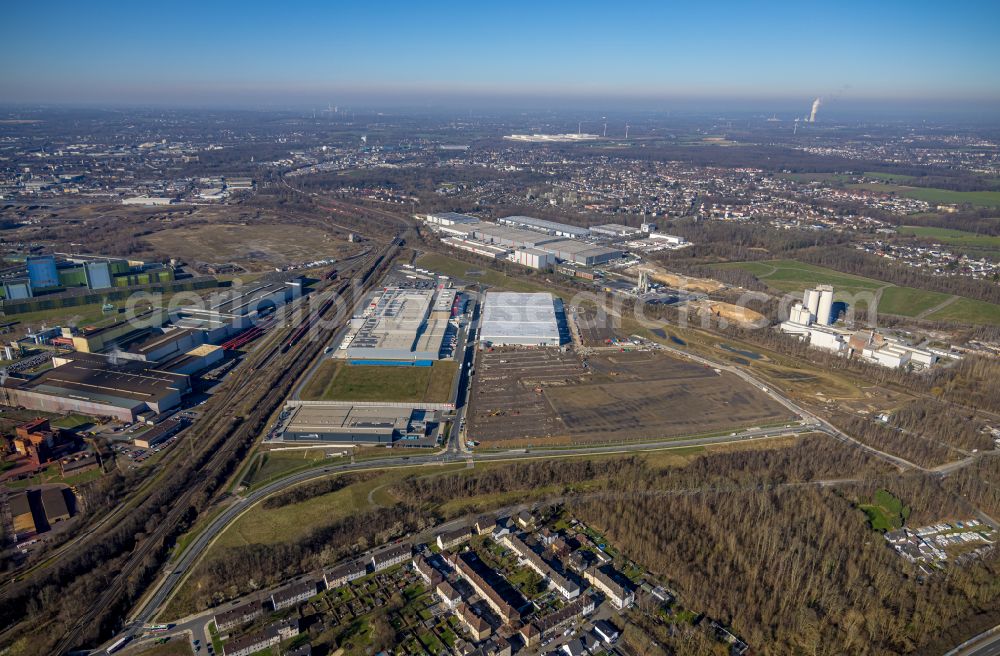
column 542, row 396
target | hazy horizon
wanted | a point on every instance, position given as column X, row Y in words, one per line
column 586, row 55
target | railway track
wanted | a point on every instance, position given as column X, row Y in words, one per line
column 235, row 418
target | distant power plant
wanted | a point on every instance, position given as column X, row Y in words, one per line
column 815, row 110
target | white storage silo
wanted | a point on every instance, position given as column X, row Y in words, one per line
column 823, row 315
column 811, row 301
column 800, row 314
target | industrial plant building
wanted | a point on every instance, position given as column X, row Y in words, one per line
column 672, row 240
column 57, row 272
column 449, row 219
column 813, row 318
column 254, row 299
column 535, row 243
column 534, row 258
column 360, row 424
column 546, row 226
column 511, row 237
column 139, row 366
column 582, row 253
column 158, row 434
column 36, row 510
column 402, row 325
column 22, row 518
column 477, row 248
column 92, row 341
column 98, row 387
column 227, row 313
column 511, row 318
column 615, row 231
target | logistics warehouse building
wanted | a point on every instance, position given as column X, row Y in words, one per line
column 519, row 319
column 402, row 325
column 347, row 424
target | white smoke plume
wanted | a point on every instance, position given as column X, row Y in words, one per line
column 815, row 109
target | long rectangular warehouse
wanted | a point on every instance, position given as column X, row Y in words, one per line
column 356, row 424
column 519, row 319
column 582, row 253
column 511, row 237
column 544, row 225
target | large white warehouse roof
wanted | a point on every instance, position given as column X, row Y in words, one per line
column 525, row 319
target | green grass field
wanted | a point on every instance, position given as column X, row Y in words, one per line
column 889, row 177
column 886, row 512
column 292, row 522
column 909, row 302
column 275, row 464
column 934, row 195
column 794, row 276
column 818, row 177
column 953, row 237
column 336, row 380
column 966, row 310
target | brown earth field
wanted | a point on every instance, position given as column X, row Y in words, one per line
column 256, row 247
column 614, row 396
column 595, row 329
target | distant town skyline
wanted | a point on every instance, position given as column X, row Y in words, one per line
column 293, row 54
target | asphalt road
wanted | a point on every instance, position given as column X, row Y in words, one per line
column 985, row 644
column 992, row 648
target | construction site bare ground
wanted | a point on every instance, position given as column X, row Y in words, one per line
column 256, row 247
column 543, row 396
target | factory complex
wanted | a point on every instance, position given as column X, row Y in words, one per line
column 387, row 379
column 98, row 387
column 531, row 242
column 61, row 271
column 140, row 367
column 813, row 320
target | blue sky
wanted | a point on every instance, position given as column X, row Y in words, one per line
column 286, row 53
